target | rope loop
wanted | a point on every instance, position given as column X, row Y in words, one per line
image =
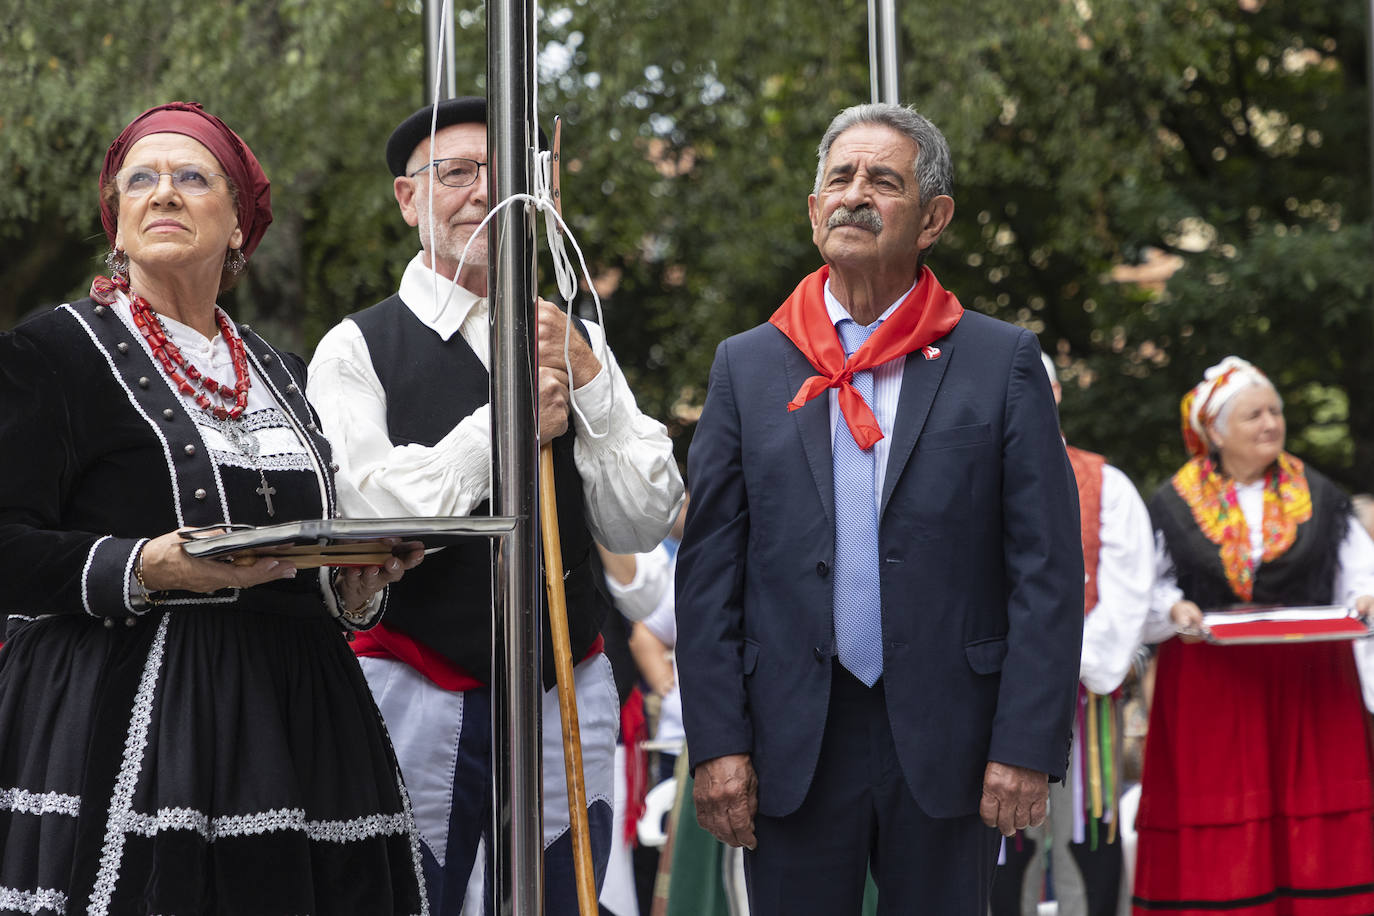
column 555, row 229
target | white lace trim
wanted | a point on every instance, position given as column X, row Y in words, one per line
column 86, row 574
column 12, row 899
column 121, row 800
column 268, row 463
column 273, row 821
column 133, row 402
column 131, row 579
column 279, row 448
column 416, row 857
column 22, row 801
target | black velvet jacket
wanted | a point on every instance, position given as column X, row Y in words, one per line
column 98, row 453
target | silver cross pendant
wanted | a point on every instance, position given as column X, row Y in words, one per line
column 267, row 491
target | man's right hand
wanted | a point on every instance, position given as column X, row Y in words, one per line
column 553, row 404
column 553, row 328
column 727, row 798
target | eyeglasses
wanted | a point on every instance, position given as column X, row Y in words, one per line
column 190, row 180
column 453, row 173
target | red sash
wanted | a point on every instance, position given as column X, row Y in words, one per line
column 1087, row 469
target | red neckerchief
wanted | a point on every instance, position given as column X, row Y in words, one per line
column 924, row 316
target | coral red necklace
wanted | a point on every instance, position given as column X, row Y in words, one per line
column 182, row 373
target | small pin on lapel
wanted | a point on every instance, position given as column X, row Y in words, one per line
column 930, row 352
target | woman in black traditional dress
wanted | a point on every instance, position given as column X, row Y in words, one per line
column 180, row 735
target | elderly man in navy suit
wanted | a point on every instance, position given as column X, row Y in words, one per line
column 880, row 588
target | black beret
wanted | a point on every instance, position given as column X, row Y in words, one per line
column 466, row 109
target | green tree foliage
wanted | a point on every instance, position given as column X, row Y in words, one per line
column 314, row 88
column 1233, row 136
column 1223, row 140
column 1088, row 135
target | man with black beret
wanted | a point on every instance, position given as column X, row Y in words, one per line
column 403, row 390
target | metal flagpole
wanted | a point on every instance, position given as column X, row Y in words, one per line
column 882, row 50
column 1369, row 84
column 436, row 45
column 516, row 688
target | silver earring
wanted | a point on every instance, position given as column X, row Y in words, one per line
column 235, row 262
column 117, row 261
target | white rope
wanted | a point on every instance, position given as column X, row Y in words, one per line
column 433, row 170
column 438, row 51
column 555, row 228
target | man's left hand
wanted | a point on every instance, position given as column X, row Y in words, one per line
column 1014, row 798
column 552, row 328
column 1364, row 607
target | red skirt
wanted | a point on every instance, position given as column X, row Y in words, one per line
column 1257, row 797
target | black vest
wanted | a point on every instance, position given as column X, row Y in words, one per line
column 1303, row 575
column 445, row 602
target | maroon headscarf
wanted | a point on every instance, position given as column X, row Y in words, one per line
column 238, row 161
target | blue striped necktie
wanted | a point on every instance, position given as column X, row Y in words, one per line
column 858, row 597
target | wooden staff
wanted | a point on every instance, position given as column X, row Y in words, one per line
column 562, row 648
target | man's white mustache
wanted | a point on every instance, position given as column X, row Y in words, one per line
column 865, row 218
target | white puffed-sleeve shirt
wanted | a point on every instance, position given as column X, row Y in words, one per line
column 630, row 479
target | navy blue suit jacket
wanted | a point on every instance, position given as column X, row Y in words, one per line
column 981, row 566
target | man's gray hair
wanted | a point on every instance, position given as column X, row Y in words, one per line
column 934, row 171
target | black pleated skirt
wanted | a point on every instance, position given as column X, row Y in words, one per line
column 202, row 761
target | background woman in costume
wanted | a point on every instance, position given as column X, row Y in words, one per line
column 180, row 735
column 1256, row 796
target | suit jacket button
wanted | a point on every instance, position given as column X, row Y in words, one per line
column 822, row 570
column 820, row 656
